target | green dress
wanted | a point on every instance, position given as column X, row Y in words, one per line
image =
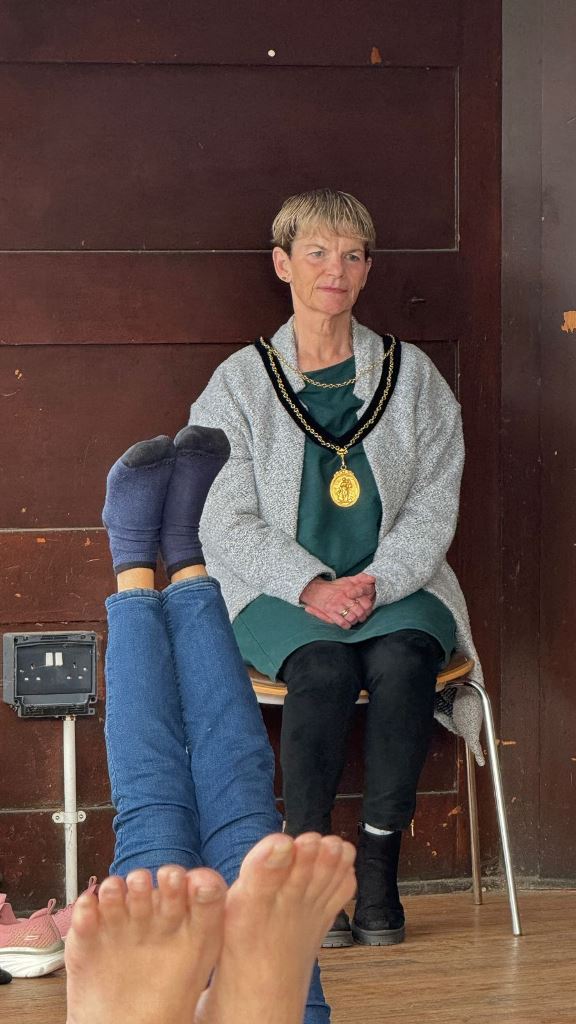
column 268, row 629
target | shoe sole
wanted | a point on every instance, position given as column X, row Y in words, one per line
column 338, row 940
column 386, row 937
column 32, row 964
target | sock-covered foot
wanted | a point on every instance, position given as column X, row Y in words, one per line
column 200, row 454
column 277, row 914
column 135, row 494
column 135, row 955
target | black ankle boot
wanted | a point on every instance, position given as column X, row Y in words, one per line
column 379, row 916
column 340, row 933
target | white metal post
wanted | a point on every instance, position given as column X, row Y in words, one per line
column 70, row 816
column 70, row 826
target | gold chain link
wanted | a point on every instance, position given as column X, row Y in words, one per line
column 318, row 383
column 340, row 450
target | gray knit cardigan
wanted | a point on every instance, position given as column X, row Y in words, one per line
column 416, row 453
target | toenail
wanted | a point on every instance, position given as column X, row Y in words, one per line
column 110, row 892
column 208, row 893
column 139, row 883
column 280, row 854
column 309, row 839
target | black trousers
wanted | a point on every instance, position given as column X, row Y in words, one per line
column 323, row 680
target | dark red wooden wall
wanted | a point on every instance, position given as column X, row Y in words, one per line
column 144, row 151
column 558, row 445
column 539, row 433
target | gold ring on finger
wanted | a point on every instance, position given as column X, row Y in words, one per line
column 344, row 612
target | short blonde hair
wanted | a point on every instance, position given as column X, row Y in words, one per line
column 340, row 212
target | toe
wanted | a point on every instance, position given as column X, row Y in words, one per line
column 321, row 876
column 112, row 901
column 139, row 900
column 171, row 895
column 330, row 865
column 204, row 887
column 86, row 917
column 147, row 453
column 335, row 879
column 330, row 855
column 306, row 851
column 267, row 865
column 203, row 440
column 206, row 892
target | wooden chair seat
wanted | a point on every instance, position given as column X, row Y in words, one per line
column 271, row 691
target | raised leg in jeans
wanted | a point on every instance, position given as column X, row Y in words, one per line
column 152, row 788
column 231, row 760
column 190, row 762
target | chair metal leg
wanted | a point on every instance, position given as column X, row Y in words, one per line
column 499, row 797
column 474, row 829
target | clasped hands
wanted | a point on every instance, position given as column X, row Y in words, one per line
column 342, row 602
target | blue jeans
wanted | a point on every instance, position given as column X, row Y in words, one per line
column 191, row 767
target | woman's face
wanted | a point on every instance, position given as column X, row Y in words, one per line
column 326, row 271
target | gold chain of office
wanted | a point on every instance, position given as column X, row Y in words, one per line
column 318, row 383
column 344, row 486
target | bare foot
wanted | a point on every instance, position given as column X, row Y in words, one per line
column 277, row 913
column 138, row 955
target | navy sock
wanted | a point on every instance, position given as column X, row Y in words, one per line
column 200, row 454
column 135, row 494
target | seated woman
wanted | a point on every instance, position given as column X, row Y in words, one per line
column 328, row 530
column 190, row 764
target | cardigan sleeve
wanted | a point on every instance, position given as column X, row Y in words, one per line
column 260, row 554
column 413, row 550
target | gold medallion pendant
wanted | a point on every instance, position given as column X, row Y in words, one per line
column 344, row 488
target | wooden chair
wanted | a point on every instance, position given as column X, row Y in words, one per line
column 455, row 674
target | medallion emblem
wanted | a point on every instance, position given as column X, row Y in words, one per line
column 344, row 488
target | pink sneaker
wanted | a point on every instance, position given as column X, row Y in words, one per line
column 31, row 947
column 63, row 918
column 7, row 915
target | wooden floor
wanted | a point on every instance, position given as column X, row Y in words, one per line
column 460, row 964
